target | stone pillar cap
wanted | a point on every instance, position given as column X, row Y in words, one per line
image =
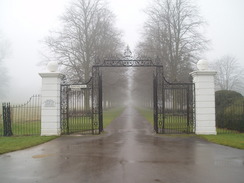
column 52, row 66
column 202, row 65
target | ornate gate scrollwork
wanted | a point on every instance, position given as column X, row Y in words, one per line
column 97, row 118
column 173, row 107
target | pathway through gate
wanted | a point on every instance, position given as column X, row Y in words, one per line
column 82, row 103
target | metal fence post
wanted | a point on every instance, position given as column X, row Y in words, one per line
column 7, row 128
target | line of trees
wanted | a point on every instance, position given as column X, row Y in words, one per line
column 172, row 32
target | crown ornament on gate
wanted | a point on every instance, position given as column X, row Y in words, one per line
column 127, row 53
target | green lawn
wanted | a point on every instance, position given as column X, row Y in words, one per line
column 172, row 122
column 84, row 124
column 226, row 131
column 78, row 124
column 24, row 128
column 230, row 138
column 110, row 115
column 148, row 114
column 9, row 144
column 235, row 140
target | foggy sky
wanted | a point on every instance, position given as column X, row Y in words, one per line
column 26, row 22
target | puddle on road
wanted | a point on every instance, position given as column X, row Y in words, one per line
column 42, row 155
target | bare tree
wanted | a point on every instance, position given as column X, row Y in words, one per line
column 172, row 32
column 230, row 75
column 87, row 33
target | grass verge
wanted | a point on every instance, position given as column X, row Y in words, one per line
column 232, row 140
column 110, row 115
column 78, row 124
column 24, row 128
column 9, row 144
column 146, row 113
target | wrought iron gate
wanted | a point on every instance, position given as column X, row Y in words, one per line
column 173, row 106
column 81, row 110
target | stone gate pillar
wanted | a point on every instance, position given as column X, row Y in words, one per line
column 50, row 112
column 204, row 99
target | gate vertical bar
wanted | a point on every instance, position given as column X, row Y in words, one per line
column 67, row 114
column 163, row 91
column 100, row 104
column 155, row 105
column 93, row 88
column 95, row 100
column 160, row 98
column 64, row 106
column 188, row 108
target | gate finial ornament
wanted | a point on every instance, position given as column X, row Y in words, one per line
column 128, row 53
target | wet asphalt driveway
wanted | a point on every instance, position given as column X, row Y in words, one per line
column 129, row 152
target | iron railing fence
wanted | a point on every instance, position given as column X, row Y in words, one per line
column 21, row 120
column 1, row 121
column 230, row 119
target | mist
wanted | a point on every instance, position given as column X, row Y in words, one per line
column 25, row 23
column 129, row 86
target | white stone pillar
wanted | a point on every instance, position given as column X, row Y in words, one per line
column 204, row 99
column 50, row 112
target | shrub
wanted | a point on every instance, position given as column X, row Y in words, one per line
column 229, row 110
column 225, row 98
column 234, row 116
